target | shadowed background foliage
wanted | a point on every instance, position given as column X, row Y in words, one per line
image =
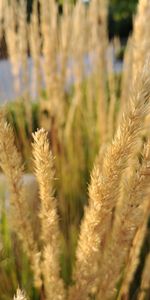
column 120, row 15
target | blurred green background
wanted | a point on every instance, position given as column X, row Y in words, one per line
column 120, row 17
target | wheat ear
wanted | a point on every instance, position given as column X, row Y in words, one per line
column 11, row 164
column 44, row 171
column 105, row 190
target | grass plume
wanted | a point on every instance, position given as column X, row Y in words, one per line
column 11, row 164
column 44, row 171
column 105, row 189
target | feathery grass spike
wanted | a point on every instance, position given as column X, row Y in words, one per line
column 20, row 295
column 104, row 189
column 44, row 171
column 11, row 164
column 129, row 219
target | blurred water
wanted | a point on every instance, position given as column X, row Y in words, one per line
column 6, row 81
column 29, row 182
column 7, row 90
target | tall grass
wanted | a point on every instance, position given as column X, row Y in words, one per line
column 70, row 241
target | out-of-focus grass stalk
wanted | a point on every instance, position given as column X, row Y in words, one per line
column 140, row 38
column 35, row 46
column 145, row 284
column 12, row 39
column 11, row 164
column 133, row 258
column 112, row 100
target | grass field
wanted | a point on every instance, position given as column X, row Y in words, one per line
column 75, row 162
